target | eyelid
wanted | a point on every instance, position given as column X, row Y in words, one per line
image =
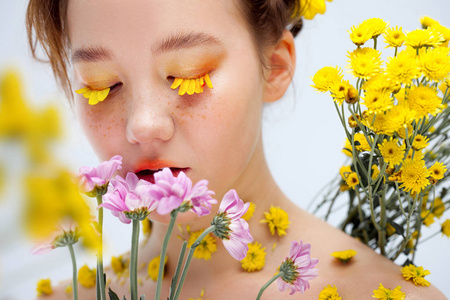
column 191, row 85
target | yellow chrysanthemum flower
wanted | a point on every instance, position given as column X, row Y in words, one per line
column 352, row 180
column 387, row 294
column 364, row 62
column 439, row 207
column 326, row 77
column 153, row 267
column 399, row 118
column 403, row 68
column 424, row 38
column 435, row 63
column 416, row 274
column 308, row 9
column 277, row 219
column 378, row 101
column 250, row 211
column 414, row 175
column 347, row 149
column 344, row 256
column 428, row 217
column 426, row 21
column 381, row 82
column 424, row 100
column 191, row 85
column 119, row 265
column 394, row 37
column 442, row 30
column 147, row 227
column 359, row 35
column 94, row 96
column 418, row 155
column 206, row 247
column 445, row 229
column 68, row 289
column 255, row 258
column 361, row 143
column 437, row 170
column 339, row 91
column 392, row 152
column 44, row 287
column 329, row 293
column 87, row 277
column 376, row 26
column 420, row 142
column 344, row 171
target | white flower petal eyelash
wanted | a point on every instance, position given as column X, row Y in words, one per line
column 94, row 96
column 191, row 86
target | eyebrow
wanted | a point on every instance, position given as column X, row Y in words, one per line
column 184, row 41
column 173, row 43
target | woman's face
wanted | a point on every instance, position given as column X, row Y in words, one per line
column 144, row 44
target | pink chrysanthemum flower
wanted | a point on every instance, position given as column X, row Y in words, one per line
column 129, row 198
column 230, row 227
column 94, row 180
column 171, row 192
column 67, row 234
column 298, row 268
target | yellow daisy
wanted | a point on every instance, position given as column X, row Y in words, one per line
column 277, row 219
column 378, row 101
column 94, row 96
column 364, row 62
column 420, row 142
column 206, row 247
column 437, row 170
column 424, row 100
column 352, row 180
column 387, row 294
column 255, row 259
column 119, row 265
column 376, row 26
column 44, row 287
column 360, row 34
column 339, row 91
column 435, row 63
column 361, row 143
column 87, row 277
column 414, row 175
column 344, row 171
column 442, row 30
column 426, row 21
column 394, row 37
column 250, row 211
column 416, row 274
column 326, row 77
column 147, row 227
column 403, row 68
column 344, row 256
column 427, row 216
column 381, row 82
column 153, row 267
column 329, row 293
column 424, row 38
column 309, row 8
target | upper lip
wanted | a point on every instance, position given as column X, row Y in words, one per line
column 154, row 165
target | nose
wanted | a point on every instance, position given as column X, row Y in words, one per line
column 149, row 120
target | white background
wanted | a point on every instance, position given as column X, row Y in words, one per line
column 302, row 136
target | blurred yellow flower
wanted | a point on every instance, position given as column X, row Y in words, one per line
column 255, row 258
column 119, row 265
column 250, row 211
column 44, row 287
column 426, row 21
column 428, row 217
column 147, row 227
column 206, row 247
column 153, row 267
column 87, row 276
column 424, row 38
column 344, row 171
column 308, row 8
column 439, row 207
column 416, row 274
column 424, row 100
column 445, row 229
column 435, row 64
column 394, row 37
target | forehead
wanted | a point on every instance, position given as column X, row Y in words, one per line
column 141, row 23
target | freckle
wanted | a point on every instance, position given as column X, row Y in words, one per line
column 121, row 119
column 178, row 106
column 104, row 135
column 109, row 127
column 203, row 117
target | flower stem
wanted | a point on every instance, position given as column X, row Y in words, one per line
column 100, row 279
column 173, row 217
column 176, row 275
column 189, row 258
column 133, row 260
column 74, row 272
column 265, row 286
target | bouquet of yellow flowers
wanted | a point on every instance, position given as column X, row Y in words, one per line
column 396, row 121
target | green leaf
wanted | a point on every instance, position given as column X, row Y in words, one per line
column 112, row 295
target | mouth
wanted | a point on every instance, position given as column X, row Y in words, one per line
column 148, row 174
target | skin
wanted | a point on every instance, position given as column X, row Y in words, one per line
column 217, row 134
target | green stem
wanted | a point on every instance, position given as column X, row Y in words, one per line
column 100, row 277
column 133, row 260
column 429, row 237
column 189, row 258
column 173, row 217
column 265, row 286
column 177, row 271
column 74, row 272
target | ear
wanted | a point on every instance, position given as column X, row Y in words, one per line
column 282, row 67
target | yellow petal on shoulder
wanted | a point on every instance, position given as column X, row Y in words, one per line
column 102, row 94
column 93, row 98
column 208, row 81
column 83, row 90
column 183, row 88
column 176, row 83
column 191, row 88
column 198, row 87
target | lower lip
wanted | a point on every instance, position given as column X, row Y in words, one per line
column 149, row 176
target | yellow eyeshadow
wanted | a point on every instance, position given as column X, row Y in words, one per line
column 191, row 85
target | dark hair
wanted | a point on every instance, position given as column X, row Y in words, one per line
column 46, row 26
